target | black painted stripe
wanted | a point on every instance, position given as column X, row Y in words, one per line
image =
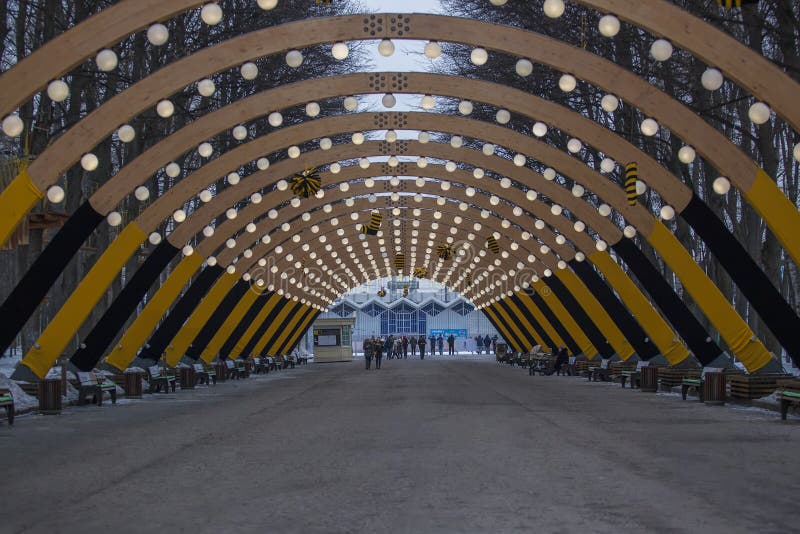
column 581, row 317
column 551, row 345
column 244, row 324
column 217, row 319
column 294, row 337
column 704, row 348
column 500, row 331
column 305, row 330
column 623, row 318
column 31, row 290
column 531, row 341
column 269, row 346
column 123, row 306
column 550, row 315
column 247, row 352
column 766, row 300
column 168, row 329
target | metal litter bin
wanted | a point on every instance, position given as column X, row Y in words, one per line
column 50, row 396
column 648, row 379
column 221, row 370
column 133, row 384
column 714, row 388
column 188, row 377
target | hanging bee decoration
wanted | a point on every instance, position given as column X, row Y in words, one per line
column 399, row 262
column 405, row 290
column 491, row 244
column 374, row 224
column 306, row 184
column 420, row 272
column 381, row 292
column 445, row 251
column 468, row 280
column 631, row 177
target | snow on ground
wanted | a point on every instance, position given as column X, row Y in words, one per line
column 22, row 401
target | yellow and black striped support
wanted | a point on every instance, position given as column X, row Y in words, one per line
column 374, row 225
column 399, row 262
column 631, row 176
column 492, row 245
column 733, row 4
column 445, row 251
column 420, row 272
column 306, row 184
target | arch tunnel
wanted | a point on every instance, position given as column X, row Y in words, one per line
column 248, row 269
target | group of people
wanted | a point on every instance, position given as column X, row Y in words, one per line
column 398, row 347
column 489, row 344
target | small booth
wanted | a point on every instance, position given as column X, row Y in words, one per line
column 332, row 340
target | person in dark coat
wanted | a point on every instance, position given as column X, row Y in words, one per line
column 368, row 351
column 487, row 344
column 388, row 346
column 413, row 343
column 561, row 359
column 440, row 342
column 494, row 343
column 404, row 343
column 478, row 344
column 377, row 351
column 421, row 344
column 432, row 340
column 451, row 345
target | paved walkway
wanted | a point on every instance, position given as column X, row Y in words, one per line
column 420, row 446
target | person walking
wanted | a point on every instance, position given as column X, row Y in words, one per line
column 494, row 343
column 388, row 346
column 404, row 343
column 413, row 343
column 377, row 351
column 398, row 348
column 432, row 340
column 451, row 345
column 421, row 344
column 487, row 344
column 440, row 342
column 368, row 352
column 478, row 344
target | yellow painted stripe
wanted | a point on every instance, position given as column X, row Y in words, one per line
column 778, row 212
column 597, row 313
column 16, row 201
column 658, row 330
column 729, row 324
column 288, row 330
column 514, row 323
column 180, row 343
column 566, row 319
column 301, row 330
column 78, row 306
column 226, row 329
column 125, row 351
column 499, row 325
column 539, row 340
column 251, row 330
column 541, row 319
column 258, row 349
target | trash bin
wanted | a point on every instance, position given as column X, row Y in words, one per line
column 50, row 396
column 648, row 381
column 714, row 388
column 133, row 384
column 188, row 377
column 221, row 371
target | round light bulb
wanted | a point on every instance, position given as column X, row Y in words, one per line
column 667, row 213
column 335, row 168
column 389, row 100
column 114, row 218
column 759, row 113
column 358, row 138
column 267, row 5
column 294, row 58
column 549, row 174
column 578, row 190
column 641, row 187
column 465, row 107
column 158, row 34
column 503, row 116
column 609, row 103
column 520, row 160
column 567, row 83
column 601, row 245
column 574, row 146
column 89, row 162
column 661, row 50
column 293, row 152
column 58, row 91
column 165, row 109
column 350, row 103
column 340, row 51
column 179, row 216
column 553, row 8
column 711, row 79
column 126, row 133
column 478, row 173
column 262, row 164
column 211, row 261
column 205, row 150
column 608, row 165
column 479, row 56
column 608, row 26
column 211, row 14
column 721, row 185
column 205, row 196
column 629, row 232
column 231, row 213
column 604, row 210
column 206, row 88
column 687, row 154
column 154, row 238
column 386, row 47
column 313, row 109
column 531, row 195
column 239, row 133
column 233, row 178
column 256, row 198
column 325, row 143
column 275, row 119
column 249, row 71
column 13, row 126
column 524, row 68
column 364, row 163
column 141, row 193
column 456, row 141
column 433, row 50
column 579, row 226
column 106, row 60
column 539, row 129
column 422, row 162
column 450, row 166
column 55, row 194
column 649, row 127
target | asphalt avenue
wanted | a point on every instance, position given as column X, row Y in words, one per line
column 419, row 446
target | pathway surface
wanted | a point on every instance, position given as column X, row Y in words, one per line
column 419, row 446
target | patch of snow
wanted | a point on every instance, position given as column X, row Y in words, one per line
column 22, row 401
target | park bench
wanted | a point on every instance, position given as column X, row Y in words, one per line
column 302, row 359
column 288, row 361
column 670, row 377
column 160, row 378
column 205, row 376
column 244, row 367
column 234, row 371
column 788, row 395
column 93, row 385
column 7, row 402
column 698, row 383
column 634, row 376
column 599, row 372
column 272, row 364
column 260, row 366
column 542, row 364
